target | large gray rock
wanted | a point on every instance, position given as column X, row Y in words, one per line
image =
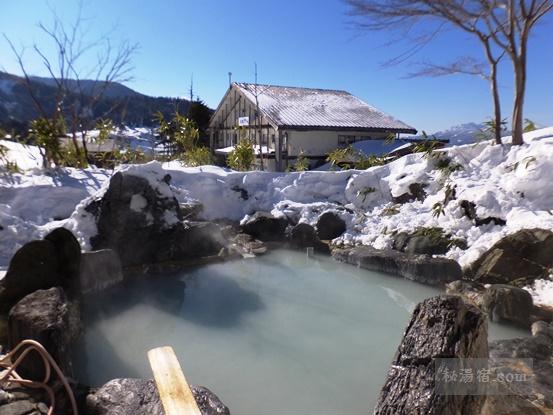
column 471, row 292
column 17, row 400
column 507, row 303
column 304, row 235
column 422, row 242
column 99, row 270
column 440, row 327
column 502, row 303
column 143, row 224
column 34, row 266
column 20, row 407
column 420, row 268
column 69, row 253
column 525, row 255
column 534, row 396
column 244, row 245
column 330, row 226
column 265, row 227
column 469, row 209
column 53, row 261
column 416, row 192
column 47, row 317
column 140, row 397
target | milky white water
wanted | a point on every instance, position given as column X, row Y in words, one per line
column 278, row 334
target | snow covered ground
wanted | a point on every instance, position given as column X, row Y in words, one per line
column 512, row 183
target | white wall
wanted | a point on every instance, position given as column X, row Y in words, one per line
column 320, row 143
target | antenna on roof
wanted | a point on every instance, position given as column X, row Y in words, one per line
column 230, row 78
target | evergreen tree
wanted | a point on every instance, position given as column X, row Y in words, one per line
column 200, row 114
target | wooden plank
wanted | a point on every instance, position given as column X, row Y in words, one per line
column 174, row 391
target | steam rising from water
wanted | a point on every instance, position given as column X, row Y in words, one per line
column 277, row 334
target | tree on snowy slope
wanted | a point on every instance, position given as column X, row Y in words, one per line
column 78, row 87
column 503, row 27
column 200, row 114
column 177, row 134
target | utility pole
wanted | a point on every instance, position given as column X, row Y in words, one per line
column 258, row 120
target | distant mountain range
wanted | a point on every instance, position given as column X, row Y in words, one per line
column 461, row 134
column 119, row 102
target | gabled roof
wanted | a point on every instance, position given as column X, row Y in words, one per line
column 309, row 108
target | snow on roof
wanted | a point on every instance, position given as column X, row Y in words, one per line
column 322, row 108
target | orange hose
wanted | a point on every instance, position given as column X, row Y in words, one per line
column 11, row 376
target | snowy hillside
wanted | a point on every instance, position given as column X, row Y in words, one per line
column 510, row 183
column 17, row 107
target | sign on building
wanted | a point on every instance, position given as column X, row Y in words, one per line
column 243, row 121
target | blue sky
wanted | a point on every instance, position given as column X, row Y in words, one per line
column 300, row 43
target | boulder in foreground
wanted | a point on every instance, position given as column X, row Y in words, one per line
column 140, row 397
column 440, row 327
column 47, row 317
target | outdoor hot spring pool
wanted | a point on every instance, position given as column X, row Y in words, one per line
column 280, row 333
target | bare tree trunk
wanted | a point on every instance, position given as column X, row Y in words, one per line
column 520, row 88
column 496, row 103
column 493, row 62
column 85, row 148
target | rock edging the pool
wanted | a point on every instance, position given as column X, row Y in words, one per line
column 141, row 397
column 420, row 268
column 445, row 327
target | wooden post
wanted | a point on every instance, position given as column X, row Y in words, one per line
column 175, row 394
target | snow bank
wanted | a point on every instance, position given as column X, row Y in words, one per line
column 511, row 183
column 34, row 202
column 542, row 291
column 26, row 157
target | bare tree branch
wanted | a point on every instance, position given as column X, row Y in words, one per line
column 502, row 27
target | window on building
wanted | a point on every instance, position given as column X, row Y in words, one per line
column 345, row 140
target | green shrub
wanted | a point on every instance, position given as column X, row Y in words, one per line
column 438, row 209
column 438, row 235
column 529, row 125
column 197, row 156
column 68, row 157
column 487, row 132
column 178, row 134
column 365, row 192
column 104, row 126
column 349, row 158
column 45, row 133
column 242, row 157
column 445, row 164
column 9, row 166
column 302, row 163
column 390, row 210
